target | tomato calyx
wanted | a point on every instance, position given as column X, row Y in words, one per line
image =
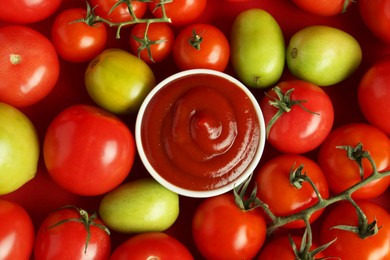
column 284, row 104
column 357, row 154
column 195, row 40
column 146, row 43
column 249, row 203
column 85, row 219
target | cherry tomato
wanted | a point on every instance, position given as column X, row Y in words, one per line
column 16, row 231
column 71, row 233
column 376, row 16
column 27, row 11
column 273, row 179
column 306, row 120
column 374, row 94
column 201, row 46
column 280, row 247
column 349, row 245
column 158, row 44
column 221, row 230
column 121, row 12
column 181, row 12
column 28, row 64
column 151, row 245
column 324, row 7
column 342, row 172
column 77, row 41
column 87, row 150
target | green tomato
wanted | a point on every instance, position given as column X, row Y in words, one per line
column 19, row 149
column 257, row 48
column 139, row 206
column 323, row 55
column 118, row 81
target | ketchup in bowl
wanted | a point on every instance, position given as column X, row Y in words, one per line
column 200, row 132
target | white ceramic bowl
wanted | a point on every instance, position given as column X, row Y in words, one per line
column 195, row 192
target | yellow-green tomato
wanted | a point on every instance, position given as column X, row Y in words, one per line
column 118, row 81
column 323, row 55
column 257, row 48
column 19, row 149
column 139, row 206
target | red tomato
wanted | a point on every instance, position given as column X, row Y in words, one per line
column 64, row 235
column 77, row 41
column 221, row 230
column 324, row 7
column 376, row 15
column 121, row 12
column 16, row 232
column 273, row 179
column 87, row 150
column 279, row 247
column 158, row 44
column 302, row 127
column 28, row 64
column 201, row 46
column 374, row 95
column 151, row 245
column 349, row 245
column 342, row 172
column 181, row 12
column 27, row 11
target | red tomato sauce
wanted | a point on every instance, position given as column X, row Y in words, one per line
column 200, row 134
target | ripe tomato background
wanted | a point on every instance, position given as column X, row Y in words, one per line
column 27, row 11
column 68, row 239
column 341, row 172
column 201, row 46
column 29, row 66
column 301, row 129
column 348, row 245
column 87, row 150
column 17, row 234
column 42, row 195
column 324, row 7
column 273, row 179
column 374, row 94
column 376, row 16
column 221, row 230
column 151, row 245
column 77, row 41
column 160, row 40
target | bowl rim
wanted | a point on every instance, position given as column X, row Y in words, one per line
column 200, row 193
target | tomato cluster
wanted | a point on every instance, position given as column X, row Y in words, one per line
column 73, row 75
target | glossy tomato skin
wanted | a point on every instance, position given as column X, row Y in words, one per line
column 323, row 7
column 67, row 240
column 221, row 230
column 28, row 64
column 27, row 11
column 151, row 245
column 181, row 12
column 213, row 52
column 374, row 94
column 349, row 245
column 376, row 16
column 279, row 247
column 273, row 179
column 17, row 232
column 88, row 151
column 160, row 33
column 77, row 41
column 341, row 172
column 121, row 13
column 299, row 131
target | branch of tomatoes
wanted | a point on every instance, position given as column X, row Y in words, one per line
column 364, row 229
column 92, row 19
